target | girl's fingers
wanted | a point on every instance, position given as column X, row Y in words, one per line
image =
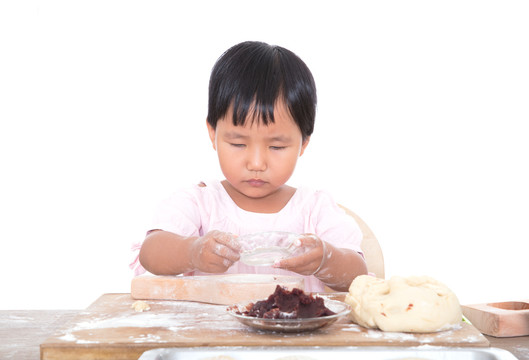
column 304, row 264
column 228, row 240
column 225, row 252
column 311, row 252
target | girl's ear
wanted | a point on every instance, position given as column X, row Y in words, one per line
column 212, row 135
column 304, row 145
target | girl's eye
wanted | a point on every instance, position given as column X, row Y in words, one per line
column 237, row 145
column 277, row 147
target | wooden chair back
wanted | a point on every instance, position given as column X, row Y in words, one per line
column 370, row 247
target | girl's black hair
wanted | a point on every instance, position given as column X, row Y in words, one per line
column 252, row 76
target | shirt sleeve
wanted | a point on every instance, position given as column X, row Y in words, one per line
column 178, row 214
column 333, row 225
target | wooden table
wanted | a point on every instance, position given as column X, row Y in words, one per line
column 22, row 331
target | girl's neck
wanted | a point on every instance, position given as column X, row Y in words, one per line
column 270, row 204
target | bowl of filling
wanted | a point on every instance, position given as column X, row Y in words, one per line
column 289, row 311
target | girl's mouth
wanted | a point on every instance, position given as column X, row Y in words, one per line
column 256, row 182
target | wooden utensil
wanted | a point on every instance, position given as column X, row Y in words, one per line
column 501, row 319
column 214, row 289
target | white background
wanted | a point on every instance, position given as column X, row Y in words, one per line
column 421, row 129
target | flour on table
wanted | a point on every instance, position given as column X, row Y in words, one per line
column 414, row 304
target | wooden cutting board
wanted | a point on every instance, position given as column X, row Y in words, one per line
column 213, row 289
column 111, row 329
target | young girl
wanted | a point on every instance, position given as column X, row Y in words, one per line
column 262, row 105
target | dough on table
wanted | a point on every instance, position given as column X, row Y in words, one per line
column 403, row 304
column 140, row 306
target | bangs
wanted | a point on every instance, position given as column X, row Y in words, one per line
column 253, row 109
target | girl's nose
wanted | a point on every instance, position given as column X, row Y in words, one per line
column 256, row 160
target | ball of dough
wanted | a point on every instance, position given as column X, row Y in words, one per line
column 411, row 304
column 140, row 306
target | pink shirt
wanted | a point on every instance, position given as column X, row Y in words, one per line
column 196, row 210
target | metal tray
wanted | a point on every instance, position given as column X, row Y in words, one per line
column 424, row 352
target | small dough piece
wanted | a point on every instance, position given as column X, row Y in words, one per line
column 417, row 304
column 140, row 306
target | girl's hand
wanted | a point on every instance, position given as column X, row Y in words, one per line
column 214, row 252
column 310, row 261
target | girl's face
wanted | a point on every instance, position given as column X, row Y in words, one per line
column 256, row 159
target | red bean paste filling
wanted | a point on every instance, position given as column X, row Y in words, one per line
column 285, row 304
